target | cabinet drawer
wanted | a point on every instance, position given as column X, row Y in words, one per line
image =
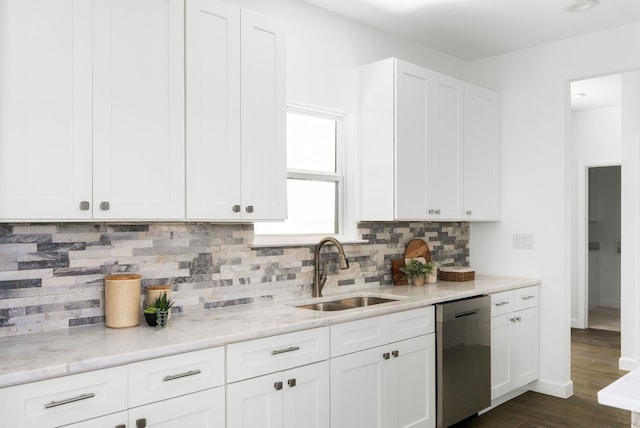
column 61, row 401
column 525, row 298
column 501, row 303
column 270, row 354
column 407, row 324
column 358, row 335
column 167, row 377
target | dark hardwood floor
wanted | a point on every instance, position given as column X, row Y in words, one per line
column 594, row 365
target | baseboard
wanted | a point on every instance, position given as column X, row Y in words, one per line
column 628, row 364
column 504, row 398
column 560, row 390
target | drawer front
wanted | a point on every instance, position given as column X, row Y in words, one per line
column 358, row 335
column 54, row 402
column 168, row 377
column 271, row 354
column 501, row 303
column 525, row 298
column 408, row 324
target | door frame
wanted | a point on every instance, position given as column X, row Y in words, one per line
column 582, row 227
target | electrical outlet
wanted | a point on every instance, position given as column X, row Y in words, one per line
column 523, row 241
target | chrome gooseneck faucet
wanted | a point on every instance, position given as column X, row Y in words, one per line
column 320, row 277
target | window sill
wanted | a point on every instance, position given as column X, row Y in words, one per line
column 270, row 241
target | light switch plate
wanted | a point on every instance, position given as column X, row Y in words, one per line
column 523, row 241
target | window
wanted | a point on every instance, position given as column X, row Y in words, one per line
column 314, row 174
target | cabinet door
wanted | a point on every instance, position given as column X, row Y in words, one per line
column 444, row 149
column 203, row 410
column 501, row 354
column 116, row 420
column 138, row 109
column 413, row 92
column 255, row 403
column 306, row 396
column 358, row 384
column 263, row 110
column 524, row 347
column 481, row 154
column 413, row 386
column 45, row 109
column 213, row 110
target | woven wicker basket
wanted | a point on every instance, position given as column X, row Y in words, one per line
column 455, row 273
column 122, row 300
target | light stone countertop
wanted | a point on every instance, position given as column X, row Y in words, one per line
column 623, row 393
column 37, row 356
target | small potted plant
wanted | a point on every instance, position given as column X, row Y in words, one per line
column 157, row 313
column 416, row 271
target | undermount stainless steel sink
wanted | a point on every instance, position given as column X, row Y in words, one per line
column 346, row 303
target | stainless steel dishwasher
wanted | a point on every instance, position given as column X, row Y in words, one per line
column 463, row 359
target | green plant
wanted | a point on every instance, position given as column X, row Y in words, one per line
column 160, row 307
column 415, row 268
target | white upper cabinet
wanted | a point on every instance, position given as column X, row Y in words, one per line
column 413, row 145
column 45, row 109
column 236, row 106
column 138, row 109
column 481, row 154
column 91, row 110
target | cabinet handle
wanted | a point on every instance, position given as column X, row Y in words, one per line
column 291, row 382
column 141, row 423
column 438, row 211
column 504, row 302
column 85, row 205
column 249, row 208
column 513, row 320
column 69, row 400
column 386, row 355
column 178, row 376
column 431, row 211
column 531, row 296
column 396, row 354
column 104, row 206
column 121, row 426
column 469, row 212
column 277, row 386
column 285, row 350
column 518, row 319
column 236, row 208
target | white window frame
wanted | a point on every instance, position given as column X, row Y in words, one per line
column 338, row 177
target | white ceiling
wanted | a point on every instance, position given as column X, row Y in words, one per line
column 472, row 29
column 599, row 92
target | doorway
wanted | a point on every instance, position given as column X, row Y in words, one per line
column 604, row 248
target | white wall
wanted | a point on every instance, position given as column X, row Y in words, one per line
column 594, row 140
column 534, row 86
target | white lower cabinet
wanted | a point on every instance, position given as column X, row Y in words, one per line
column 204, row 409
column 294, row 398
column 116, row 420
column 391, row 385
column 514, row 340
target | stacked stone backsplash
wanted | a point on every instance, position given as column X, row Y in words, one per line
column 52, row 275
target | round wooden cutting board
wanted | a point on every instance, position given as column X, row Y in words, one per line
column 417, row 248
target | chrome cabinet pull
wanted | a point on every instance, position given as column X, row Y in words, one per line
column 85, row 205
column 291, row 382
column 386, row 355
column 518, row 319
column 277, row 386
column 504, row 302
column 396, row 354
column 141, row 423
column 431, row 211
column 285, row 350
column 178, row 376
column 513, row 320
column 69, row 400
column 105, row 206
column 469, row 212
column 528, row 297
column 249, row 208
column 236, row 208
column 438, row 211
column 121, row 426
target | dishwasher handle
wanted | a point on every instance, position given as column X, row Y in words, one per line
column 466, row 313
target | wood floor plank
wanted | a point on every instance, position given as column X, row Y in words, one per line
column 594, row 365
